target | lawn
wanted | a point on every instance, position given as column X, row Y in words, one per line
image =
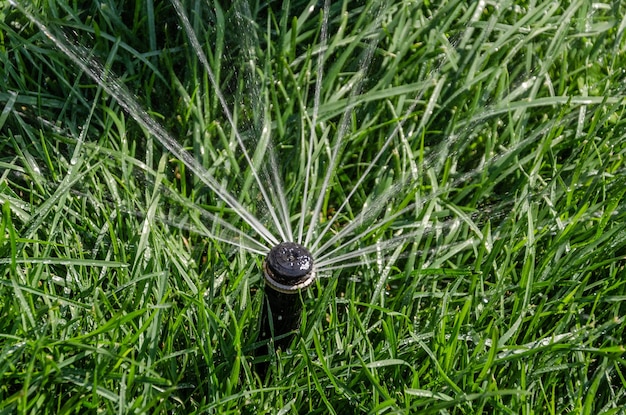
column 457, row 169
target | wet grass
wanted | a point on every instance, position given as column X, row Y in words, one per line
column 504, row 294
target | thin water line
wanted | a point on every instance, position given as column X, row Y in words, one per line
column 364, row 216
column 91, row 67
column 421, row 229
column 422, row 125
column 381, row 247
column 282, row 197
column 326, row 272
column 354, row 224
column 429, row 160
column 203, row 60
column 257, row 249
column 279, row 185
column 275, row 183
column 380, row 201
column 252, row 244
column 371, row 249
column 463, row 178
column 316, row 105
column 341, row 133
column 364, row 176
column 438, row 86
column 384, row 246
column 322, row 261
column 213, row 218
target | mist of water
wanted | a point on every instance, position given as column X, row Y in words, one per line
column 330, row 252
column 98, row 73
column 316, row 105
column 339, row 143
column 205, row 63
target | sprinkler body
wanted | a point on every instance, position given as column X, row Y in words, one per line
column 288, row 270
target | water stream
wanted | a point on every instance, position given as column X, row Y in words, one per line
column 269, row 185
column 335, row 241
column 80, row 56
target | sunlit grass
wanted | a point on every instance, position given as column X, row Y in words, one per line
column 507, row 152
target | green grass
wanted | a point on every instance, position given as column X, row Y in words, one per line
column 508, row 146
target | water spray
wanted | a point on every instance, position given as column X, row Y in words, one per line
column 288, row 270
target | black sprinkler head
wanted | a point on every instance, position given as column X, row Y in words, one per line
column 288, row 268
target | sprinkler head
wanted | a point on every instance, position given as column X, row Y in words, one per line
column 288, row 268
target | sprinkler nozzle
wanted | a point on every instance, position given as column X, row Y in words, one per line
column 288, row 268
